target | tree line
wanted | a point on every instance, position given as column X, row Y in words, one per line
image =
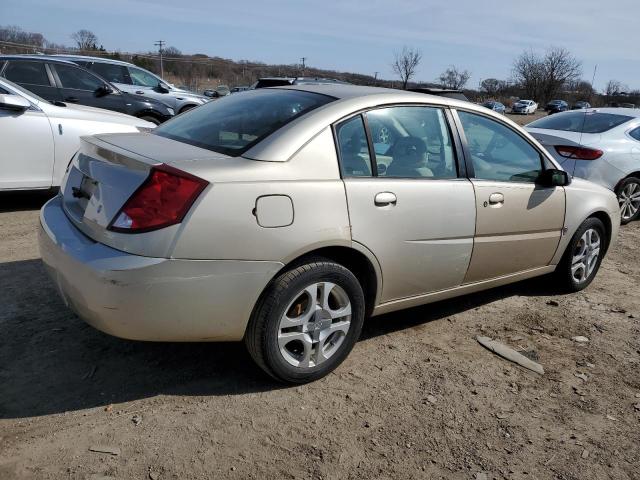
column 541, row 76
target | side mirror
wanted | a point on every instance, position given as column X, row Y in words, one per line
column 104, row 90
column 552, row 177
column 161, row 88
column 14, row 102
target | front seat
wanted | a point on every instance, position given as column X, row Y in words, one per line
column 409, row 159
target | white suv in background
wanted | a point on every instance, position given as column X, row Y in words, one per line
column 136, row 80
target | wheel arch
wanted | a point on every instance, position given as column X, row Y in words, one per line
column 357, row 258
column 606, row 220
column 629, row 175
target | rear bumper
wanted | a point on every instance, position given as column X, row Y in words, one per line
column 145, row 298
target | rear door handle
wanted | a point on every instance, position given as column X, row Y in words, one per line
column 496, row 198
column 383, row 199
column 71, row 100
column 139, row 92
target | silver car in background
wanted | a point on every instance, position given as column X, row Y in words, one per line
column 136, row 80
column 601, row 145
column 38, row 139
column 285, row 216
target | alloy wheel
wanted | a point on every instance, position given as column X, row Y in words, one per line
column 629, row 200
column 585, row 255
column 314, row 325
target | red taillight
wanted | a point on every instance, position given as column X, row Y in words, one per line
column 579, row 153
column 163, row 199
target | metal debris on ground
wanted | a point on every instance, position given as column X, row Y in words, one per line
column 111, row 450
column 509, row 354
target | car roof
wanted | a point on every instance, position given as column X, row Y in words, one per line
column 629, row 112
column 349, row 99
column 93, row 59
column 35, row 57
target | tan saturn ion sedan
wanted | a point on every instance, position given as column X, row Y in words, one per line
column 285, row 216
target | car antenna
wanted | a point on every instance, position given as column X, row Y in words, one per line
column 584, row 117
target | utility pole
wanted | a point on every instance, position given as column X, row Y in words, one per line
column 375, row 78
column 303, row 64
column 160, row 44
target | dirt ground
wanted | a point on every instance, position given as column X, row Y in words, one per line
column 417, row 398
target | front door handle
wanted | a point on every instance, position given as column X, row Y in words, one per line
column 139, row 92
column 496, row 199
column 383, row 199
column 71, row 99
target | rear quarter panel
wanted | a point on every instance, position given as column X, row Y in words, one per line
column 224, row 224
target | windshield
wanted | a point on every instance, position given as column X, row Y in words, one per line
column 586, row 122
column 235, row 123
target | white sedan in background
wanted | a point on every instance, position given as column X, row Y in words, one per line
column 524, row 107
column 601, row 145
column 38, row 139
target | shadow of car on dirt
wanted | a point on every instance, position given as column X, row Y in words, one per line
column 52, row 362
column 20, row 201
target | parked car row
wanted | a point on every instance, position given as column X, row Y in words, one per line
column 63, row 82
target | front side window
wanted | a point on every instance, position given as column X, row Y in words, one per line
column 112, row 73
column 498, row 152
column 143, row 79
column 77, row 79
column 30, row 73
column 235, row 123
column 355, row 160
column 412, row 142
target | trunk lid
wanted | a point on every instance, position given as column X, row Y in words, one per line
column 550, row 138
column 106, row 172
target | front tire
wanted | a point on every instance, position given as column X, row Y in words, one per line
column 150, row 118
column 628, row 193
column 584, row 254
column 306, row 322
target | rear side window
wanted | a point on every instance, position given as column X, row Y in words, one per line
column 586, row 122
column 412, row 142
column 635, row 133
column 354, row 149
column 497, row 152
column 77, row 79
column 235, row 123
column 112, row 73
column 31, row 73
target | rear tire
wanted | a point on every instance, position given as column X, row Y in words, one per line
column 306, row 322
column 628, row 193
column 581, row 261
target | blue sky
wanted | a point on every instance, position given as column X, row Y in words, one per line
column 483, row 36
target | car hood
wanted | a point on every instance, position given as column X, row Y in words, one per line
column 83, row 112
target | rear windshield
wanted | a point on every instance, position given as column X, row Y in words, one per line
column 235, row 123
column 586, row 122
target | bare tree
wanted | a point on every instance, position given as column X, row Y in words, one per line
column 405, row 64
column 614, row 87
column 454, row 78
column 542, row 76
column 85, row 39
column 492, row 86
